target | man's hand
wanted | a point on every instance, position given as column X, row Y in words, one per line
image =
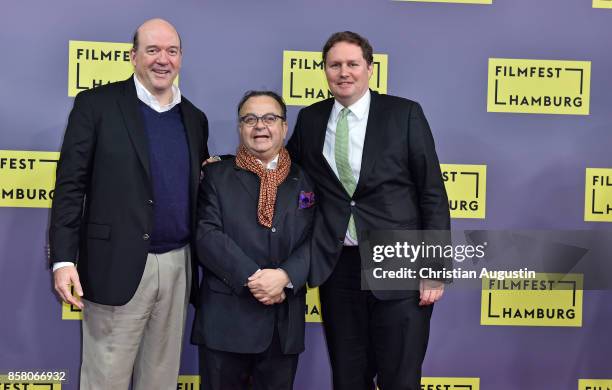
column 267, row 285
column 261, row 297
column 211, row 159
column 65, row 277
column 431, row 291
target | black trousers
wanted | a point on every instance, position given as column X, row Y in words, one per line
column 368, row 337
column 269, row 370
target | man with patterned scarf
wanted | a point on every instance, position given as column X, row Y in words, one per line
column 255, row 216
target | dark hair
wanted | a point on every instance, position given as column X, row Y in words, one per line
column 350, row 37
column 135, row 40
column 272, row 94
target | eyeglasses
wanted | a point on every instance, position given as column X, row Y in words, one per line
column 267, row 119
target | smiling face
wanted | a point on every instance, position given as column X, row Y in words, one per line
column 348, row 73
column 261, row 140
column 157, row 59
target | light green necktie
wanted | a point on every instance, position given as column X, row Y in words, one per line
column 345, row 172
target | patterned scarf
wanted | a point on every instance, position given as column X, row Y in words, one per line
column 269, row 180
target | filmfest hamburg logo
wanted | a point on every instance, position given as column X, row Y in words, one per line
column 188, row 382
column 313, row 305
column 598, row 195
column 602, row 4
column 304, row 80
column 439, row 383
column 71, row 312
column 538, row 86
column 91, row 64
column 594, row 384
column 466, row 187
column 9, row 382
column 27, row 178
column 550, row 299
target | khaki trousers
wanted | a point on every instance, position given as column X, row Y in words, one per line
column 140, row 341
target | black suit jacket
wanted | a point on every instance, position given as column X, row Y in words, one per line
column 400, row 185
column 102, row 208
column 232, row 245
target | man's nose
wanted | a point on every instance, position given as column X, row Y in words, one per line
column 344, row 70
column 259, row 125
column 162, row 57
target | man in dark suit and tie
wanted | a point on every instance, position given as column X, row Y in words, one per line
column 124, row 213
column 374, row 165
column 255, row 217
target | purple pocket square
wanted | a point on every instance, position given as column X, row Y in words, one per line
column 307, row 200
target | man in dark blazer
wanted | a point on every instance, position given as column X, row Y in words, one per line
column 374, row 166
column 124, row 213
column 254, row 221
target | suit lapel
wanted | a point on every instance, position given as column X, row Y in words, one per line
column 373, row 143
column 128, row 103
column 321, row 126
column 249, row 181
column 191, row 129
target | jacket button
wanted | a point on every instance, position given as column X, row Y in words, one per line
column 273, row 229
column 353, row 203
column 150, row 201
column 145, row 236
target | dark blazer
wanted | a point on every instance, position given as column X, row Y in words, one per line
column 400, row 185
column 102, row 208
column 232, row 245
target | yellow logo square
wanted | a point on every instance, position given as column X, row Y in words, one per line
column 440, row 383
column 550, row 299
column 594, row 384
column 313, row 305
column 92, row 64
column 44, row 380
column 602, row 3
column 539, row 86
column 188, row 382
column 27, row 179
column 71, row 312
column 598, row 195
column 466, row 187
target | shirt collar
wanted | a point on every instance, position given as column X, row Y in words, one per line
column 272, row 164
column 147, row 97
column 360, row 108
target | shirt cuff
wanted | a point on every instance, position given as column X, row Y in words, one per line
column 289, row 285
column 62, row 264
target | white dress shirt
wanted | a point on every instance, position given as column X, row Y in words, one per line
column 147, row 98
column 357, row 122
column 272, row 164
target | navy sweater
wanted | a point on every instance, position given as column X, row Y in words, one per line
column 169, row 164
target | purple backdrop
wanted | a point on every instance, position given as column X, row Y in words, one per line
column 438, row 56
